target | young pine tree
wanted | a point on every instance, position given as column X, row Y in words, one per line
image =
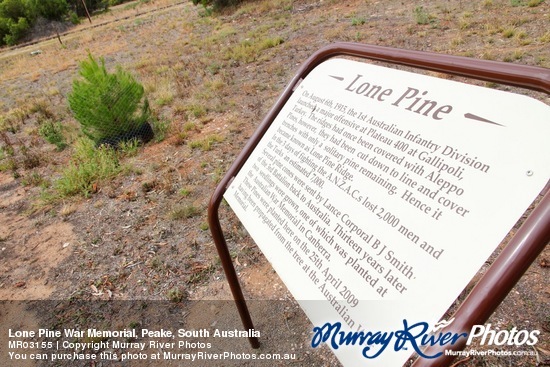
column 110, row 107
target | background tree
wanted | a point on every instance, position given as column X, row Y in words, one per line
column 14, row 20
column 14, row 9
column 18, row 16
column 49, row 9
column 92, row 5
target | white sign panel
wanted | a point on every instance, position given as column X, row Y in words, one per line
column 377, row 194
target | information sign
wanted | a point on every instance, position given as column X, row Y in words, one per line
column 377, row 194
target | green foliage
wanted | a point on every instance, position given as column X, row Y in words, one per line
column 34, row 179
column 250, row 49
column 175, row 295
column 17, row 16
column 108, row 105
column 4, row 29
column 16, row 31
column 73, row 18
column 356, row 21
column 89, row 165
column 129, row 148
column 216, row 4
column 51, row 132
column 50, row 9
column 185, row 212
column 185, row 192
column 160, row 128
column 91, row 5
column 206, row 143
column 9, row 164
column 14, row 9
column 14, row 21
column 422, row 16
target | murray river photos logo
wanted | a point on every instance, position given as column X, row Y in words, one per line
column 417, row 336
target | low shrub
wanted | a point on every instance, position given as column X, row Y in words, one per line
column 89, row 166
column 52, row 132
column 110, row 107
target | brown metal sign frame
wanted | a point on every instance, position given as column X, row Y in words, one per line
column 510, row 264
